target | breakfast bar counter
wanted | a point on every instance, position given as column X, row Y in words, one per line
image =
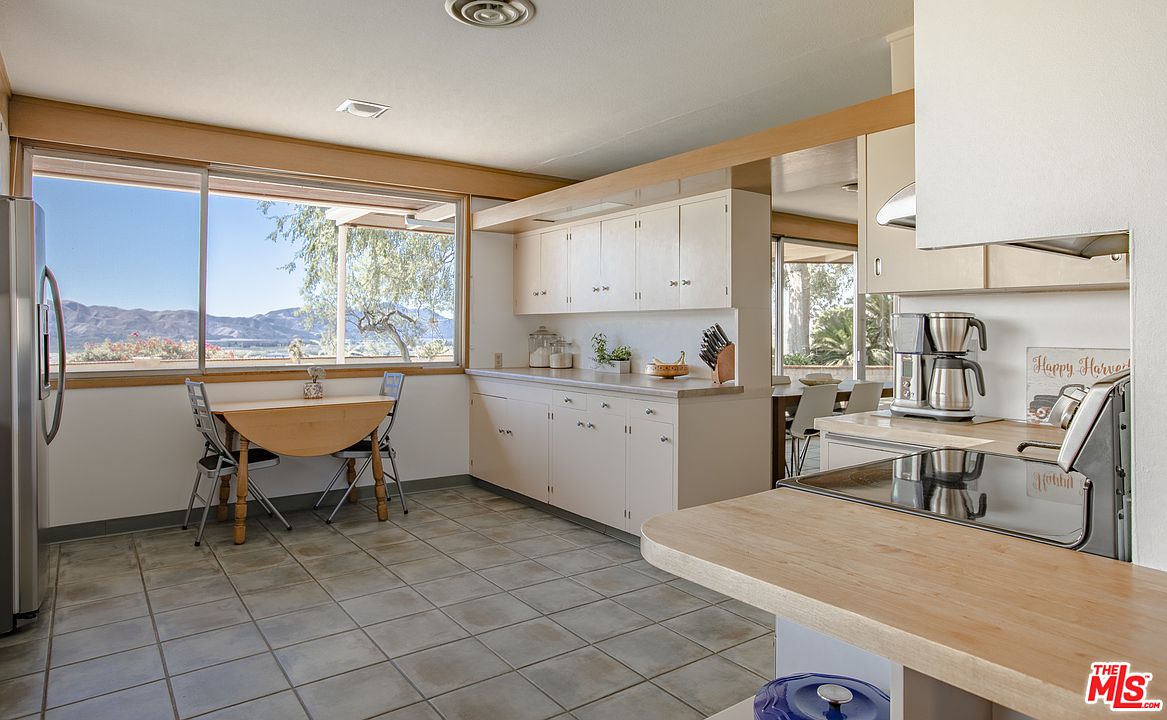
column 1010, row 620
column 681, row 387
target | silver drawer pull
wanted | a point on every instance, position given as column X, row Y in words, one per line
column 509, row 432
column 664, row 438
column 543, row 292
column 595, row 289
column 605, row 288
column 649, row 411
column 567, row 400
column 591, row 426
column 605, row 405
column 579, row 423
column 501, row 431
column 535, row 293
column 672, row 283
column 686, row 282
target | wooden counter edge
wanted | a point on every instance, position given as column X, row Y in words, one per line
column 980, row 677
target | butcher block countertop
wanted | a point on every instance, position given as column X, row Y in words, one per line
column 1001, row 436
column 1007, row 619
column 682, row 387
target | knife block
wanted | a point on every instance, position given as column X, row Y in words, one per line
column 723, row 371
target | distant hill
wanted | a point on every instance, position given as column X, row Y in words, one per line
column 96, row 323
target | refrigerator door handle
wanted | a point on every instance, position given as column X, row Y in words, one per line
column 51, row 432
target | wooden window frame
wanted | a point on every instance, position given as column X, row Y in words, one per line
column 22, row 153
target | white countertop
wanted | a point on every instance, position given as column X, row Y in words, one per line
column 682, row 387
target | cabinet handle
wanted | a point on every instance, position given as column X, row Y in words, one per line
column 686, row 282
column 605, row 288
column 664, row 438
column 509, row 432
column 542, row 292
column 649, row 411
column 595, row 289
column 535, row 293
column 567, row 400
column 579, row 423
column 501, row 431
column 878, row 266
column 605, row 405
column 672, row 283
column 591, row 426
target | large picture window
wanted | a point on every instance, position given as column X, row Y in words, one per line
column 296, row 271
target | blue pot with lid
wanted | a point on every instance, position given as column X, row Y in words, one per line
column 815, row 696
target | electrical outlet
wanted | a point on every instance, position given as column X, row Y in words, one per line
column 498, row 360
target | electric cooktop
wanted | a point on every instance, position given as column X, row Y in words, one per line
column 1011, row 495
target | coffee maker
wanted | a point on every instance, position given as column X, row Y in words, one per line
column 931, row 366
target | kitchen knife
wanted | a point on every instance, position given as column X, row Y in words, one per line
column 721, row 333
column 708, row 359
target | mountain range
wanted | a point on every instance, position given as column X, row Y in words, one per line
column 96, row 323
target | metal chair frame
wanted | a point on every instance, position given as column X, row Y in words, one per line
column 225, row 463
column 816, row 401
column 392, row 385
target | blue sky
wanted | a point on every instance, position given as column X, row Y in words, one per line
column 136, row 247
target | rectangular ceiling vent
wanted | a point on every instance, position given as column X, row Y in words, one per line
column 362, row 108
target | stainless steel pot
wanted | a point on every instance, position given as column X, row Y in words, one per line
column 955, row 501
column 949, row 331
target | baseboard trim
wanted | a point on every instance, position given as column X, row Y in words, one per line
column 285, row 503
column 615, row 533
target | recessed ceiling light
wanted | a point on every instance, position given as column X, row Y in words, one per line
column 491, row 13
column 362, row 108
column 850, row 187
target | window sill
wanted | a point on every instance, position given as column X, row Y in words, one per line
column 177, row 378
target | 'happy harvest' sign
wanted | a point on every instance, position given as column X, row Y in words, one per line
column 1050, row 370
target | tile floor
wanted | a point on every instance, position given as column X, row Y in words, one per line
column 472, row 606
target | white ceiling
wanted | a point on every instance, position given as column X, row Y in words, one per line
column 585, row 88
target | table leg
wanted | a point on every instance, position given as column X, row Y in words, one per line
column 379, row 479
column 241, row 495
column 780, row 405
column 351, row 476
column 225, row 482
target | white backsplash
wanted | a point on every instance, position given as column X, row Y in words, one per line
column 660, row 334
column 1016, row 321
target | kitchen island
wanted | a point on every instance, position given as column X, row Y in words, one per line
column 1012, row 621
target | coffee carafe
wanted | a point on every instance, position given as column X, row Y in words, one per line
column 948, row 387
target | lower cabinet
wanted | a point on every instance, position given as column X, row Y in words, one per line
column 650, row 490
column 603, row 462
column 844, row 451
column 510, row 443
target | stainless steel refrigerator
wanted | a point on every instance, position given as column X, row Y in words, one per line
column 31, row 400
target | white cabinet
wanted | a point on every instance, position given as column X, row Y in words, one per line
column 676, row 255
column 891, row 263
column 540, row 272
column 840, row 451
column 651, row 486
column 509, row 443
column 587, row 464
column 617, row 263
column 658, row 259
column 703, row 254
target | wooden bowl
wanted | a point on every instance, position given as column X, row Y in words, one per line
column 819, row 381
column 667, row 371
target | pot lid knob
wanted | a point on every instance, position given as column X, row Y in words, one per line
column 836, row 695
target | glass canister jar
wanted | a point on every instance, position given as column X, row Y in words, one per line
column 561, row 358
column 539, row 347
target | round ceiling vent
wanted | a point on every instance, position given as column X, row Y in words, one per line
column 491, row 13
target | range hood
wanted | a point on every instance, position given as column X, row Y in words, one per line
column 900, row 211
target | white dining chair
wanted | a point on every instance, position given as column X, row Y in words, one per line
column 864, row 397
column 817, row 401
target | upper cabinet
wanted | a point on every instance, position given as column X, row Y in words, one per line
column 891, row 262
column 672, row 256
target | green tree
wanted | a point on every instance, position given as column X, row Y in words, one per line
column 394, row 277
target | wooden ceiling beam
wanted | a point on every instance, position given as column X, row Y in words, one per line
column 81, row 126
column 811, row 228
column 746, row 158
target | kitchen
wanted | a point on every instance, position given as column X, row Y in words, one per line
column 978, row 183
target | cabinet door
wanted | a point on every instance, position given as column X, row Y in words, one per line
column 1013, row 267
column 569, row 457
column 553, row 270
column 605, row 486
column 584, row 283
column 527, row 274
column 657, row 259
column 651, row 476
column 487, row 430
column 618, row 263
column 704, row 254
column 890, row 258
column 527, row 448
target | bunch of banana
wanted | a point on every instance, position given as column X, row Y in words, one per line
column 679, row 361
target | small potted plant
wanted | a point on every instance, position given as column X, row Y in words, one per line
column 314, row 389
column 616, row 360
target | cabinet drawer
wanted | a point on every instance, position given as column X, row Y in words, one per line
column 649, row 410
column 574, row 400
column 607, row 404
